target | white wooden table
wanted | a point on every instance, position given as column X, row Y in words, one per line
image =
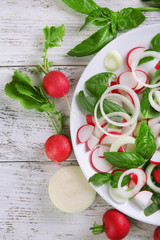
column 26, row 211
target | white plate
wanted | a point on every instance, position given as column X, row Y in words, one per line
column 137, row 37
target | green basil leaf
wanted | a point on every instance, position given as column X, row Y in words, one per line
column 115, row 179
column 99, row 17
column 99, row 179
column 154, row 206
column 82, row 6
column 95, row 42
column 146, row 108
column 129, row 18
column 155, row 42
column 88, row 103
column 97, row 84
column 145, row 143
column 145, row 59
column 124, row 159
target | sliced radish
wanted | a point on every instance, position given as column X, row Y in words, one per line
column 70, row 191
column 149, row 170
column 133, row 54
column 103, row 149
column 105, row 139
column 157, row 66
column 85, row 132
column 155, row 159
column 90, row 119
column 156, row 175
column 143, row 198
column 143, row 78
column 151, row 100
column 99, row 164
column 113, row 83
column 157, row 95
column 153, row 121
column 116, row 195
column 133, row 181
column 92, row 142
column 140, row 183
column 121, row 149
column 128, row 96
column 127, row 79
column 155, row 129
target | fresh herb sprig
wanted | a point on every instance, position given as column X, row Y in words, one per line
column 110, row 21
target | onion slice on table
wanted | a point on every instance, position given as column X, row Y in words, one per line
column 140, row 183
column 70, row 191
column 135, row 64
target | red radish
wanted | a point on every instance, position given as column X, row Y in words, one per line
column 56, row 84
column 106, row 139
column 99, row 164
column 84, row 132
column 121, row 149
column 143, row 198
column 157, row 233
column 127, row 79
column 92, row 142
column 157, row 66
column 156, row 175
column 102, row 149
column 155, row 158
column 115, row 225
column 130, row 98
column 133, row 181
column 112, row 84
column 90, row 119
column 132, row 54
column 58, row 148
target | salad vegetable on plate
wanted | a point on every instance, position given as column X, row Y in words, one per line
column 116, row 129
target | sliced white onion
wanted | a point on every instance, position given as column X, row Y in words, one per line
column 149, row 170
column 127, row 102
column 135, row 64
column 70, row 191
column 122, row 140
column 152, row 102
column 116, row 195
column 140, row 183
column 157, row 95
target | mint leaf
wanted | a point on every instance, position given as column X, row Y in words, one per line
column 145, row 143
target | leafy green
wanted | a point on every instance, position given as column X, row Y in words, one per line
column 99, row 179
column 115, row 179
column 124, row 159
column 31, row 97
column 146, row 108
column 88, row 103
column 145, row 143
column 95, row 42
column 154, row 206
column 100, row 17
column 82, row 6
column 129, row 18
column 97, row 84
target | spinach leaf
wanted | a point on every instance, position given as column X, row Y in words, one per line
column 95, row 42
column 88, row 103
column 129, row 18
column 97, row 84
column 82, row 6
column 99, row 179
column 146, row 108
column 115, row 179
column 124, row 159
column 145, row 143
column 99, row 17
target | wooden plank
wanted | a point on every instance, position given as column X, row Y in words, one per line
column 28, row 214
column 24, row 132
column 21, row 38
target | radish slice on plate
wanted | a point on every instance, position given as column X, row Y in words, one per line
column 155, row 129
column 155, row 159
column 143, row 77
column 70, row 191
column 99, row 164
column 92, row 142
column 156, row 175
column 133, row 180
column 157, row 66
column 133, row 54
column 103, row 149
column 116, row 195
column 149, row 170
column 105, row 139
column 143, row 198
column 90, row 119
column 142, row 179
column 127, row 79
column 85, row 132
column 153, row 121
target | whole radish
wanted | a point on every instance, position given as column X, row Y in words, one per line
column 58, row 148
column 157, row 233
column 115, row 225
